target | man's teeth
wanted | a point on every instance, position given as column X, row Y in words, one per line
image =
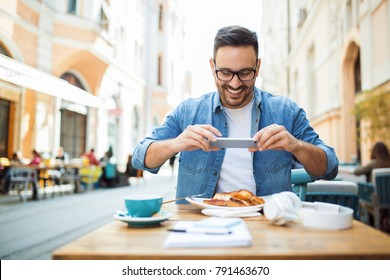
column 234, row 91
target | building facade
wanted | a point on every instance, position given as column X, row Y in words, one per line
column 119, row 62
column 331, row 55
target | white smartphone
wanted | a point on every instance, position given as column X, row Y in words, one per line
column 234, row 143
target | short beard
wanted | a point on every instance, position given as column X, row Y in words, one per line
column 248, row 94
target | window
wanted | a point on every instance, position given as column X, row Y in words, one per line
column 357, row 75
column 135, row 120
column 139, row 59
column 302, row 14
column 4, row 51
column 159, row 69
column 349, row 15
column 73, row 132
column 72, row 6
column 103, row 20
column 311, row 81
column 5, row 109
column 161, row 18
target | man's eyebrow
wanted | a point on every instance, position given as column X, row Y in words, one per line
column 228, row 69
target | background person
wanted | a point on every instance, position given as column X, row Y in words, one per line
column 36, row 158
column 130, row 170
column 237, row 109
column 62, row 155
column 380, row 158
column 91, row 157
column 172, row 163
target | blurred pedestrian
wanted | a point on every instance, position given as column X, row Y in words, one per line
column 91, row 157
column 172, row 163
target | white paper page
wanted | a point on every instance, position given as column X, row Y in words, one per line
column 240, row 237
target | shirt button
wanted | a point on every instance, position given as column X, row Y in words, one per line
column 215, row 173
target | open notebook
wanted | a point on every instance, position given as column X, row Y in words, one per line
column 238, row 236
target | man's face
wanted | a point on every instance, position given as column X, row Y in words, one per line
column 235, row 93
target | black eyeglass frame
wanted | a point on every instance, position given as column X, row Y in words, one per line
column 235, row 73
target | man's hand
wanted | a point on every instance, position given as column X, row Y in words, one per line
column 197, row 137
column 192, row 138
column 275, row 137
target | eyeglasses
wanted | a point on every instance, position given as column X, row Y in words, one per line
column 244, row 75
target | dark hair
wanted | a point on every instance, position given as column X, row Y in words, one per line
column 35, row 153
column 235, row 35
column 380, row 151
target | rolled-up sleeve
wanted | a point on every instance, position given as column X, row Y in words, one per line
column 139, row 155
column 332, row 167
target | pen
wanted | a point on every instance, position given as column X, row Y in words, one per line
column 221, row 231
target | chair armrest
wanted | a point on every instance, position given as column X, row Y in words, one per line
column 300, row 177
column 365, row 191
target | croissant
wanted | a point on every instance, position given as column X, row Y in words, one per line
column 238, row 198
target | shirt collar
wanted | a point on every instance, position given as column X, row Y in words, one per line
column 257, row 96
column 217, row 102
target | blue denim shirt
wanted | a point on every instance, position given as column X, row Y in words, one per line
column 199, row 170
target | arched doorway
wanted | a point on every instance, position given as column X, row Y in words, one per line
column 352, row 86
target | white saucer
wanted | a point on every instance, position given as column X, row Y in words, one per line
column 155, row 220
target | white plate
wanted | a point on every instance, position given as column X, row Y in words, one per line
column 156, row 219
column 227, row 213
column 198, row 202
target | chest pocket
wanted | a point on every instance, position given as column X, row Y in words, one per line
column 193, row 161
column 274, row 161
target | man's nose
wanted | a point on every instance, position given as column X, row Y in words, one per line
column 235, row 82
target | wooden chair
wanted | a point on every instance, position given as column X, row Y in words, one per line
column 343, row 193
column 375, row 196
column 71, row 176
column 22, row 178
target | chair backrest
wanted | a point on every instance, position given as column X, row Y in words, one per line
column 381, row 177
column 344, row 199
column 22, row 174
column 380, row 171
column 333, row 187
column 343, row 193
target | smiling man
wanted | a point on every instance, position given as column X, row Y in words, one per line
column 237, row 110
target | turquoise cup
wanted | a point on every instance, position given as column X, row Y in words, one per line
column 143, row 205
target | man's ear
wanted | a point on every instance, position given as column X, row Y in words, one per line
column 212, row 67
column 258, row 66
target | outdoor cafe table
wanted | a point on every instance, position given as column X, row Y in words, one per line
column 116, row 241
